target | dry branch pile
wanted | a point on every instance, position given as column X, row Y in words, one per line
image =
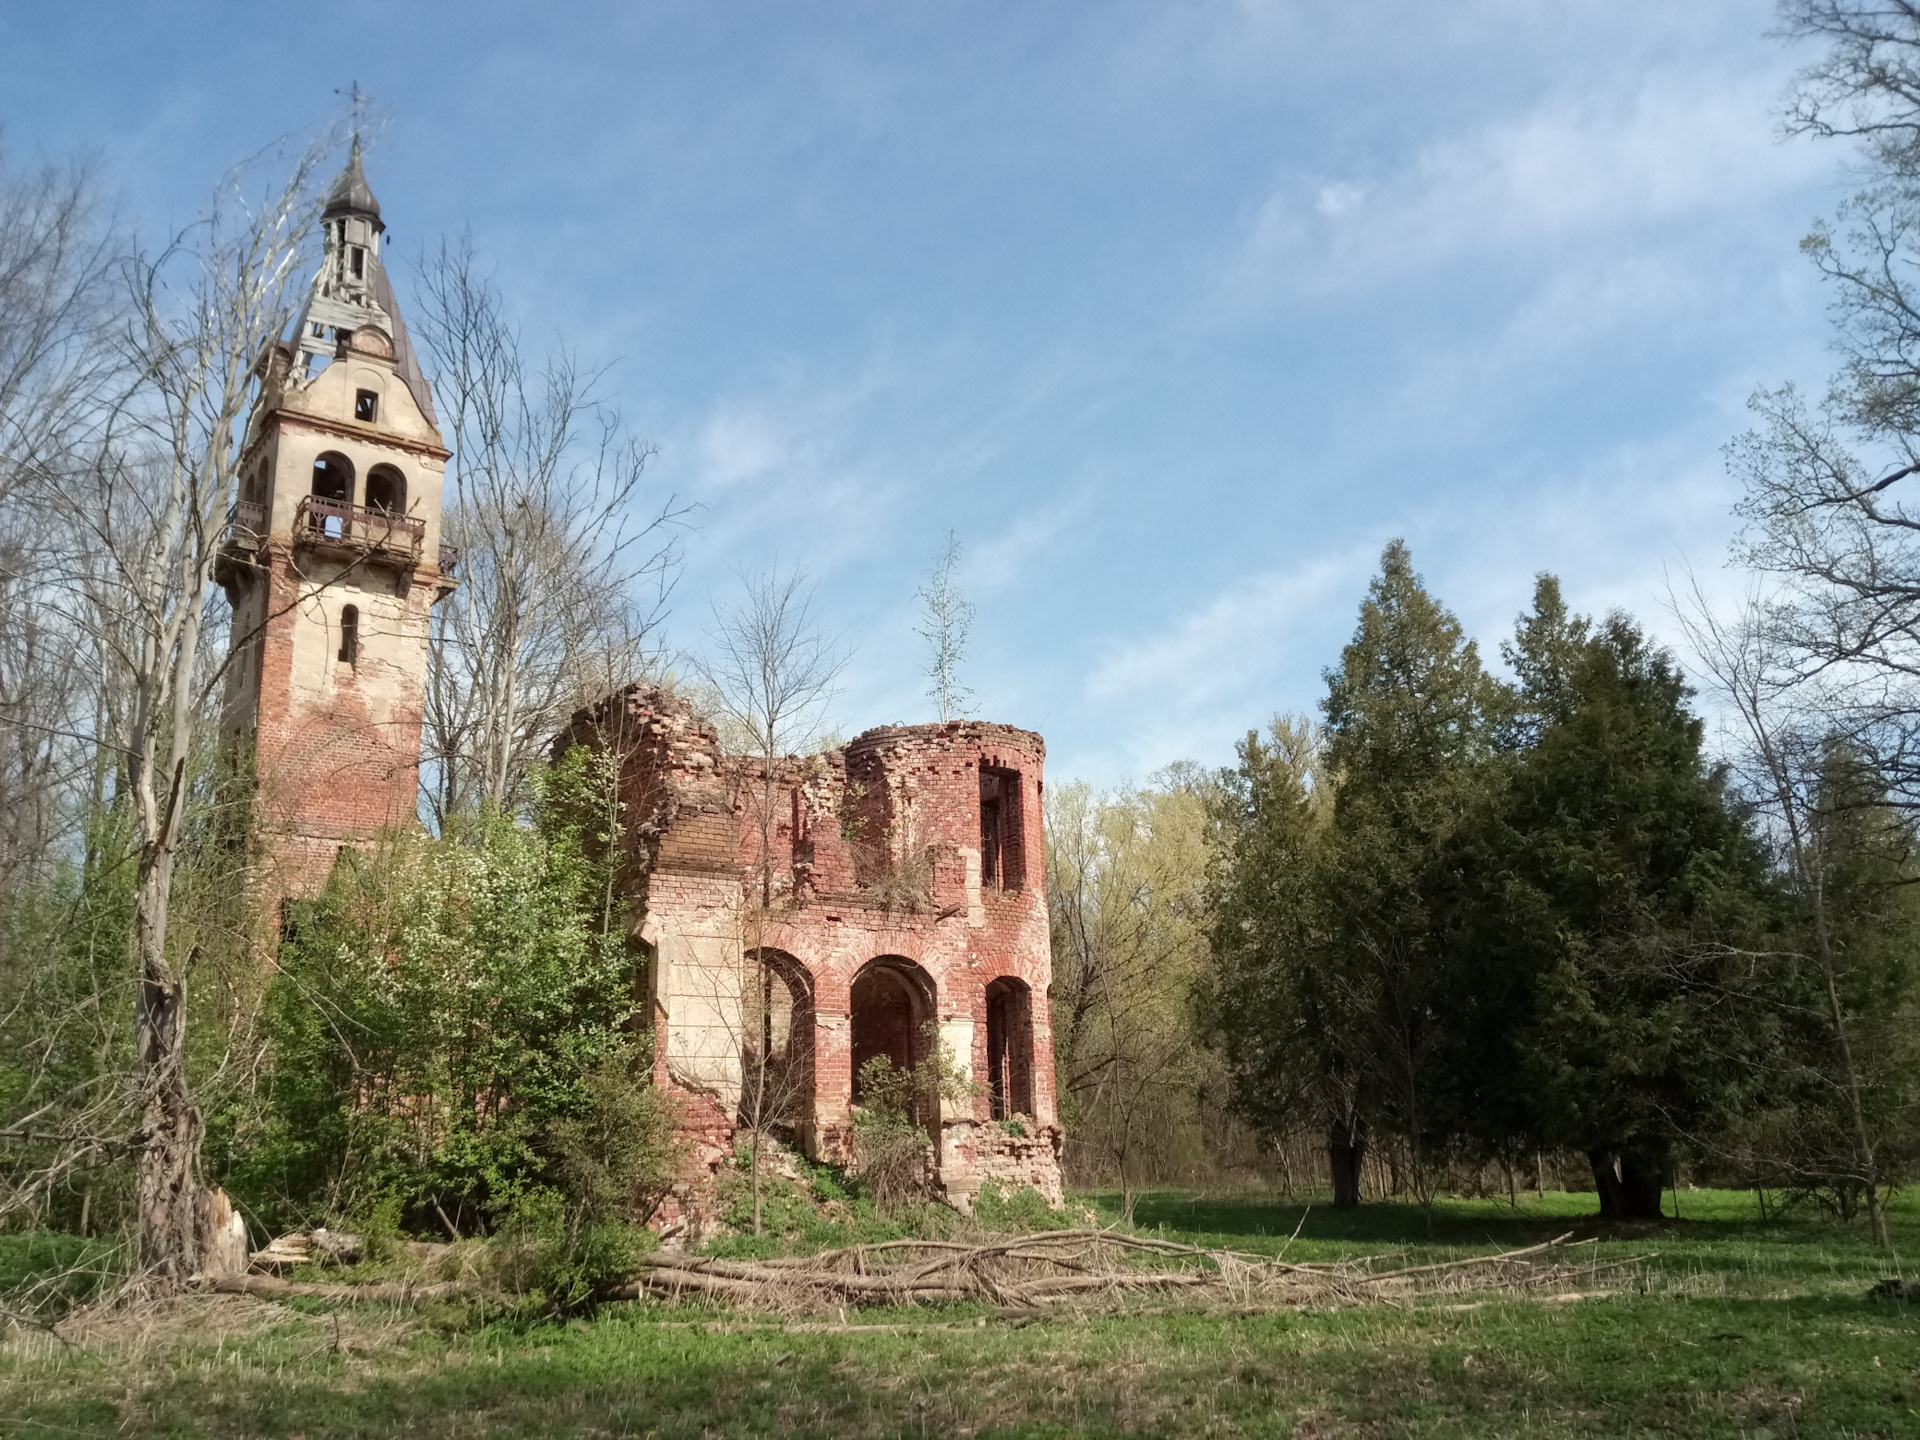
column 1095, row 1267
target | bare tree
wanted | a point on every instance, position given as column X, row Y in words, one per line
column 564, row 573
column 1829, row 484
column 143, row 524
column 946, row 619
column 1786, row 749
column 773, row 670
column 61, row 306
column 1867, row 85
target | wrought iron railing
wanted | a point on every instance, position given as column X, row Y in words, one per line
column 360, row 526
column 247, row 525
column 449, row 559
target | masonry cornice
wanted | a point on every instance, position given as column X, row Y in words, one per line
column 348, row 430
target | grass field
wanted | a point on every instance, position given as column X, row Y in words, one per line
column 1735, row 1328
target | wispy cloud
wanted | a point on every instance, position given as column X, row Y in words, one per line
column 1575, row 169
column 1003, row 560
column 1230, row 641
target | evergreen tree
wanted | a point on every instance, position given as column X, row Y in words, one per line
column 1618, row 909
column 1262, row 999
column 1331, row 988
column 1411, row 715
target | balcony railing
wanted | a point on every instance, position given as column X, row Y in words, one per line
column 247, row 524
column 449, row 559
column 359, row 527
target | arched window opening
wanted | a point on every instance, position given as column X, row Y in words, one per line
column 1009, row 1048
column 350, row 634
column 330, row 512
column 892, row 1010
column 386, row 490
column 333, row 477
column 776, row 1053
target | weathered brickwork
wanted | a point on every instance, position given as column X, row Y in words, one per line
column 908, row 904
column 332, row 563
column 875, row 900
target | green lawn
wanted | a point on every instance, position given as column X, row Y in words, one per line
column 1735, row 1329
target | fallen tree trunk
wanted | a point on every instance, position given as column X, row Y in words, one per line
column 1028, row 1272
column 1024, row 1275
column 267, row 1287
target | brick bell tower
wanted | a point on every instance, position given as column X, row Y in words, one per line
column 333, row 561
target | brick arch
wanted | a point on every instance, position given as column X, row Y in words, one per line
column 1009, row 1047
column 891, row 1006
column 777, row 1045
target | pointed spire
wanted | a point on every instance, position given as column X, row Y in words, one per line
column 351, row 194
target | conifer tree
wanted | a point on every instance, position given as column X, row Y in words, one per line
column 1411, row 715
column 1622, row 896
column 1331, row 981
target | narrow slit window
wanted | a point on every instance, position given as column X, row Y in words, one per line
column 359, row 263
column 350, row 634
column 366, row 406
column 1009, row 1049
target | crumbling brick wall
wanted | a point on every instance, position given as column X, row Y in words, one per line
column 874, row 853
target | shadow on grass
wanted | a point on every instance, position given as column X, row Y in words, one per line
column 1706, row 1217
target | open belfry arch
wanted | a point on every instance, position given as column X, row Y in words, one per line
column 908, row 911
column 333, row 561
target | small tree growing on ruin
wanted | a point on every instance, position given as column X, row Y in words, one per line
column 773, row 670
column 946, row 620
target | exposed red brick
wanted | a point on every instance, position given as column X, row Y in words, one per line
column 840, row 823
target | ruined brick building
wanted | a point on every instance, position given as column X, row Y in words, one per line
column 908, row 909
column 904, row 870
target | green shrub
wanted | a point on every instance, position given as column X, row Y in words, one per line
column 557, row 1259
column 1022, row 1209
column 891, row 1143
column 453, row 1028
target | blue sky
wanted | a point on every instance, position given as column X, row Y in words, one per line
column 1175, row 312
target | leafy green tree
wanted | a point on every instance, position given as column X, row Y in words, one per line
column 445, row 1016
column 1333, row 980
column 1127, row 898
column 1618, row 907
